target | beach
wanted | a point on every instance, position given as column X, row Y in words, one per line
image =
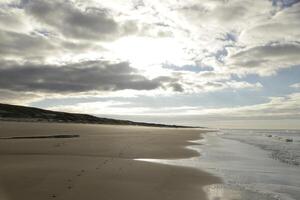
column 253, row 164
column 39, row 162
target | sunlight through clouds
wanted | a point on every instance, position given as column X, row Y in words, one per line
column 182, row 49
column 143, row 52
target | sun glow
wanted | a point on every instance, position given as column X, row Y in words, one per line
column 143, row 52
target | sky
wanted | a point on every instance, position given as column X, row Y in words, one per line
column 215, row 63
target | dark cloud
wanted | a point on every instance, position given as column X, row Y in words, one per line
column 90, row 23
column 215, row 84
column 40, row 45
column 176, row 87
column 78, row 77
column 22, row 44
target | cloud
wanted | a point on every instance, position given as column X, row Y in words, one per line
column 265, row 60
column 100, row 75
column 280, row 27
column 284, row 3
column 91, row 48
column 12, row 18
column 100, row 107
column 222, row 35
column 295, row 85
column 71, row 21
column 282, row 107
column 277, row 107
column 222, row 29
column 19, row 97
column 276, row 31
column 19, row 45
column 209, row 81
column 36, row 47
column 76, row 77
column 216, row 11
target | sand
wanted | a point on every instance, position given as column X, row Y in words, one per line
column 99, row 164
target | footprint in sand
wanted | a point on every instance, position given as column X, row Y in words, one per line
column 104, row 163
column 81, row 172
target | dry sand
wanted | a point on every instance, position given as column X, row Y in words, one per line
column 97, row 165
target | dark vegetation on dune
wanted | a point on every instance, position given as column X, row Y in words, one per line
column 30, row 114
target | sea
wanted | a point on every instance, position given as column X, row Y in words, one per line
column 253, row 164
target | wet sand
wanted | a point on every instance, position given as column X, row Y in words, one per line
column 99, row 164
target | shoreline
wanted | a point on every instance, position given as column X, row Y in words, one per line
column 247, row 171
column 99, row 164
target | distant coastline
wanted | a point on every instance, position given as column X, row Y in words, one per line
column 18, row 113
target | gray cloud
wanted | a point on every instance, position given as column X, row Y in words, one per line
column 40, row 45
column 22, row 44
column 176, row 87
column 225, row 12
column 273, row 50
column 90, row 23
column 78, row 77
column 266, row 59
